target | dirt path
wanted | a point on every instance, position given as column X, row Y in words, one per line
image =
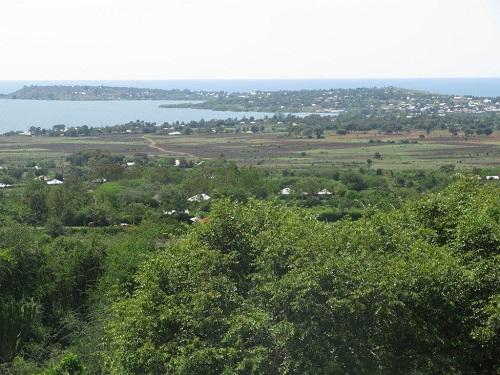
column 153, row 144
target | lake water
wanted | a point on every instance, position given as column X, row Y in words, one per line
column 22, row 114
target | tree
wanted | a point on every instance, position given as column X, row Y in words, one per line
column 468, row 132
column 308, row 132
column 54, row 226
column 70, row 364
column 36, row 201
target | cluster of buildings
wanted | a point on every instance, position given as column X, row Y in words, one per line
column 413, row 105
column 442, row 105
column 391, row 100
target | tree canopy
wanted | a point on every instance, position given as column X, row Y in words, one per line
column 259, row 288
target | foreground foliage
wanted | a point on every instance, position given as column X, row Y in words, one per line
column 266, row 290
column 255, row 288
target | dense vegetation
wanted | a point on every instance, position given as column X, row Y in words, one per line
column 108, row 274
column 273, row 291
column 108, row 189
column 260, row 288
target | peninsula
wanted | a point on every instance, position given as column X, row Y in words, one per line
column 101, row 93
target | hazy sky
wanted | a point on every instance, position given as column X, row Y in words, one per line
column 193, row 39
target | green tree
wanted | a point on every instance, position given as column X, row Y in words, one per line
column 36, row 201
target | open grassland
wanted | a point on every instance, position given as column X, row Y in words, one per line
column 277, row 150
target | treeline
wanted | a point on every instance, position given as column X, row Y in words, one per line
column 314, row 126
column 232, row 125
column 260, row 288
column 310, row 126
column 481, row 124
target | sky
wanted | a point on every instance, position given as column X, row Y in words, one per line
column 248, row 39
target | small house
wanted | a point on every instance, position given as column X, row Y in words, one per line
column 55, row 181
column 199, row 198
column 286, row 191
column 324, row 192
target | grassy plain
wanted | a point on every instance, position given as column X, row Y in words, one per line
column 276, row 150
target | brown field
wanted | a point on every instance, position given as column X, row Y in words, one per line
column 275, row 150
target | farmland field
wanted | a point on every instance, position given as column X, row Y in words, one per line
column 275, row 150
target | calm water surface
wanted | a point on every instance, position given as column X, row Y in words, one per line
column 22, row 114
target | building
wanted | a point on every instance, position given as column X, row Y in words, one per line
column 324, row 192
column 55, row 181
column 199, row 198
column 286, row 191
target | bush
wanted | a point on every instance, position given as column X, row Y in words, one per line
column 68, row 365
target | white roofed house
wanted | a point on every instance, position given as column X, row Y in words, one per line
column 199, row 198
column 493, row 177
column 324, row 192
column 55, row 181
column 286, row 191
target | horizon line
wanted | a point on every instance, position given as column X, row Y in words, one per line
column 246, row 79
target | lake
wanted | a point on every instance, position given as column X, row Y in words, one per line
column 22, row 114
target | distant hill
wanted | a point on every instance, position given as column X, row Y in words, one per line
column 101, row 93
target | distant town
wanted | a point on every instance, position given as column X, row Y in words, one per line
column 368, row 100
